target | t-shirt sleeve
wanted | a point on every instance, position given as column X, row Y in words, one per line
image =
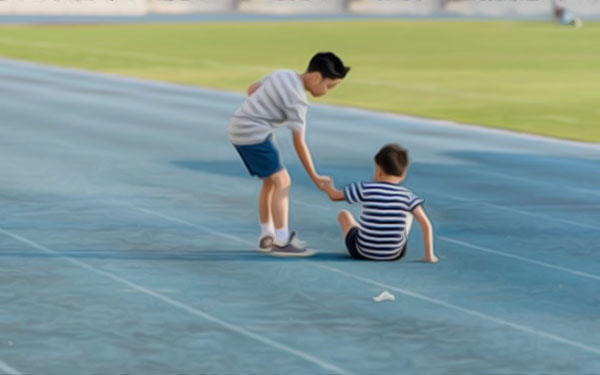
column 414, row 201
column 296, row 117
column 353, row 193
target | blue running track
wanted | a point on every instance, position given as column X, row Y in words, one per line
column 128, row 225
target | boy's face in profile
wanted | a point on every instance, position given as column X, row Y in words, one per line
column 319, row 86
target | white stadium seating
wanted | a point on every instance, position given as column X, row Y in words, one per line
column 506, row 8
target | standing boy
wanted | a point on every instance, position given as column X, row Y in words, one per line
column 279, row 100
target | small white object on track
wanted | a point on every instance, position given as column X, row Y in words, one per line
column 384, row 296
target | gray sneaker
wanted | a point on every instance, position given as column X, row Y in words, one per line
column 265, row 244
column 294, row 248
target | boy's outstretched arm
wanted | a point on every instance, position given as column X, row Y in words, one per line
column 333, row 193
column 306, row 159
column 427, row 230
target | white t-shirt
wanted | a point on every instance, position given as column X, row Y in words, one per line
column 280, row 100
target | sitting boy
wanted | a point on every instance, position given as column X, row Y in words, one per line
column 387, row 211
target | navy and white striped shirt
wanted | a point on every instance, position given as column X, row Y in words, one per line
column 385, row 209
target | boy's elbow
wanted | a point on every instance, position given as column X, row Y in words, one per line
column 429, row 229
column 426, row 225
column 252, row 88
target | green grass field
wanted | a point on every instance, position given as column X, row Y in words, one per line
column 534, row 77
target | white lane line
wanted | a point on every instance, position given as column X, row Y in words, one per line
column 584, row 190
column 513, row 256
column 8, row 370
column 422, row 297
column 521, row 212
column 190, row 224
column 561, row 205
column 180, row 305
column 519, row 327
column 532, row 181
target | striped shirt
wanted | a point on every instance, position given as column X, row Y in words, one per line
column 383, row 220
column 279, row 100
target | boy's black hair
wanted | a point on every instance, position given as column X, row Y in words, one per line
column 393, row 159
column 328, row 64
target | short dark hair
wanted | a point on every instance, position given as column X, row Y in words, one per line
column 393, row 159
column 328, row 64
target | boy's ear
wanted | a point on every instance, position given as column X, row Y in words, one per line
column 403, row 176
column 377, row 171
column 316, row 77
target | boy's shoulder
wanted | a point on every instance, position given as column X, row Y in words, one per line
column 278, row 74
column 372, row 184
column 289, row 81
column 378, row 189
column 288, row 72
column 288, row 77
column 383, row 193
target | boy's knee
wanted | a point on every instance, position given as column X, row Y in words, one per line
column 267, row 183
column 281, row 180
column 344, row 215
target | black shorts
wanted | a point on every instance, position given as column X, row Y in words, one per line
column 352, row 246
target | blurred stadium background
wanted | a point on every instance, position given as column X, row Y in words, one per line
column 426, row 7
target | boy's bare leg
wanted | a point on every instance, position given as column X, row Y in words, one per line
column 346, row 221
column 280, row 203
column 267, row 229
column 285, row 243
column 264, row 201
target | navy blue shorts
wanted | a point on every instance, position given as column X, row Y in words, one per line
column 352, row 246
column 262, row 159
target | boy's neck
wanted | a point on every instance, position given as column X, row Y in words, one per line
column 389, row 179
column 304, row 78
